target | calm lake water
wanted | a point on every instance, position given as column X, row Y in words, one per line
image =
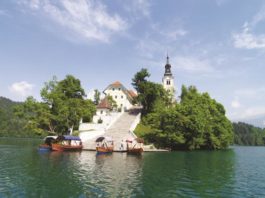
column 25, row 172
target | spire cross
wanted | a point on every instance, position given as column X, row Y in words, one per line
column 167, row 59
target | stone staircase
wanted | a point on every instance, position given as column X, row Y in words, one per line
column 119, row 131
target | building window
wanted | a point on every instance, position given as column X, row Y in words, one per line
column 116, row 97
column 121, row 96
column 113, row 89
column 119, row 89
column 101, row 112
column 168, row 82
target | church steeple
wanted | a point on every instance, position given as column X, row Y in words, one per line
column 168, row 78
column 168, row 68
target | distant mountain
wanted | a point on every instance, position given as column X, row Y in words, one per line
column 10, row 125
column 247, row 134
column 6, row 105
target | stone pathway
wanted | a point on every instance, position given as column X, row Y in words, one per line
column 119, row 131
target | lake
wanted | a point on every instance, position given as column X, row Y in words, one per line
column 25, row 172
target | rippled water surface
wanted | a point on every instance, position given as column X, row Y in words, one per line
column 25, row 172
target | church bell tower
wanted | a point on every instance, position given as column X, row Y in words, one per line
column 168, row 79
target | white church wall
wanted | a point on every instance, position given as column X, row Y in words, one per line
column 120, row 97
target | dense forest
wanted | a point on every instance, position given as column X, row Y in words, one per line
column 246, row 134
column 11, row 125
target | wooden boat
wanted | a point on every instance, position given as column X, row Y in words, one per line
column 137, row 151
column 135, row 146
column 67, row 143
column 104, row 145
column 47, row 146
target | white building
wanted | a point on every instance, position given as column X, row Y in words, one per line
column 105, row 116
column 122, row 96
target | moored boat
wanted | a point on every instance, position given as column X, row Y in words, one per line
column 104, row 145
column 67, row 143
column 47, row 146
column 135, row 146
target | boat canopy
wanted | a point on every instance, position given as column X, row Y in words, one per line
column 101, row 138
column 68, row 137
column 138, row 140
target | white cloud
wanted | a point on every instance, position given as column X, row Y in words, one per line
column 247, row 40
column 86, row 18
column 137, row 8
column 149, row 48
column 252, row 93
column 21, row 89
column 253, row 112
column 235, row 104
column 250, row 113
column 192, row 64
column 171, row 31
column 142, row 6
column 258, row 17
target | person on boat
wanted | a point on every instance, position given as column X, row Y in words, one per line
column 122, row 145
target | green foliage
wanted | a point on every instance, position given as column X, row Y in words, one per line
column 10, row 125
column 140, row 77
column 142, row 130
column 150, row 95
column 246, row 134
column 62, row 107
column 112, row 102
column 197, row 122
column 96, row 97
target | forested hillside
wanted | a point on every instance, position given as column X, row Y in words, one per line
column 10, row 125
column 246, row 134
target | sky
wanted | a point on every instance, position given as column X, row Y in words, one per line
column 216, row 45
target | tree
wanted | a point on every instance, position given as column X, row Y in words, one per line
column 150, row 95
column 96, row 97
column 112, row 102
column 197, row 122
column 140, row 77
column 246, row 134
column 207, row 126
column 62, row 107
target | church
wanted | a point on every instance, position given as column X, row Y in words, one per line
column 104, row 122
column 124, row 97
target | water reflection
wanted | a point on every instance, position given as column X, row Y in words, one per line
column 25, row 172
column 115, row 175
column 189, row 174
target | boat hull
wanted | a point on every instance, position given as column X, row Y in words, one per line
column 135, row 151
column 44, row 147
column 59, row 147
column 104, row 149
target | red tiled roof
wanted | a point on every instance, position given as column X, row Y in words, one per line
column 132, row 93
column 104, row 104
column 116, row 83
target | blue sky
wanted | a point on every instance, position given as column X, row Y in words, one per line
column 216, row 45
